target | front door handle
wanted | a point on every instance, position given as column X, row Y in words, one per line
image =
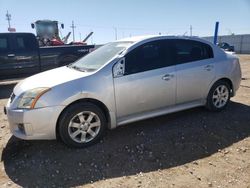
column 167, row 77
column 11, row 55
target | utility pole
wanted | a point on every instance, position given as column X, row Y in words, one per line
column 115, row 33
column 73, row 30
column 80, row 36
column 191, row 30
column 216, row 32
column 8, row 18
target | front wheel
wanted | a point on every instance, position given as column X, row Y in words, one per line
column 82, row 125
column 219, row 96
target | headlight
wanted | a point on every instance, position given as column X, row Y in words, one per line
column 29, row 98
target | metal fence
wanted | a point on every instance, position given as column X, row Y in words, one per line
column 241, row 43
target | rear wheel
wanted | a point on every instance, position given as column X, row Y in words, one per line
column 219, row 96
column 81, row 125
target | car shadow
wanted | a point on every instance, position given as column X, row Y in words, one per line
column 158, row 143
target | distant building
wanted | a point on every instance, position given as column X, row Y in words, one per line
column 241, row 43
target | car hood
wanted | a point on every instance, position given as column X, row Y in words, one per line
column 49, row 79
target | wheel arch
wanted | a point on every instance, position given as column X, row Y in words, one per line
column 227, row 80
column 96, row 102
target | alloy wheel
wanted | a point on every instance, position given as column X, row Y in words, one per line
column 220, row 96
column 84, row 127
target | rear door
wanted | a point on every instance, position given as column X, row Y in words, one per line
column 26, row 54
column 194, row 68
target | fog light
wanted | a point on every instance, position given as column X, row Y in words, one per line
column 21, row 127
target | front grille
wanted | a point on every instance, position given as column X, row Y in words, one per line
column 12, row 97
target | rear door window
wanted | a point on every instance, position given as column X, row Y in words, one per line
column 189, row 50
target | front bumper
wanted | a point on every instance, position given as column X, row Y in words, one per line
column 31, row 124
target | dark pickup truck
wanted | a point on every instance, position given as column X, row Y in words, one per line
column 21, row 56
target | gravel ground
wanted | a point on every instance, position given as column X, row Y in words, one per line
column 192, row 148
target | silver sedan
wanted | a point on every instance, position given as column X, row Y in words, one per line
column 119, row 83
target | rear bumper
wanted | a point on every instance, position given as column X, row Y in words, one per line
column 34, row 123
column 236, row 77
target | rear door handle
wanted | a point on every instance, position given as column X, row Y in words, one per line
column 208, row 67
column 11, row 55
column 167, row 77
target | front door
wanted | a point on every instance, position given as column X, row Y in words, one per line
column 7, row 58
column 26, row 54
column 149, row 82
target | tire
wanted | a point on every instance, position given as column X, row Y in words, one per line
column 82, row 125
column 218, row 97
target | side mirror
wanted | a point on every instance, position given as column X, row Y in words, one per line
column 119, row 68
column 62, row 26
column 32, row 26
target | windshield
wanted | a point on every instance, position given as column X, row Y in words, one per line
column 100, row 56
column 46, row 29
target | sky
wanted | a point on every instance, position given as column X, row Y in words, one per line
column 130, row 17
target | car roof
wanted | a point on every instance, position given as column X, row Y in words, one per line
column 16, row 33
column 139, row 39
